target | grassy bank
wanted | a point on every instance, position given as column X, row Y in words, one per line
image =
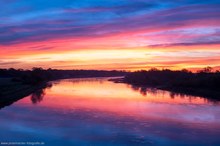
column 11, row 91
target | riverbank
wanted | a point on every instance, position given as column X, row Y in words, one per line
column 197, row 84
column 11, row 91
column 207, row 93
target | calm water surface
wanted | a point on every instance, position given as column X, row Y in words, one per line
column 94, row 111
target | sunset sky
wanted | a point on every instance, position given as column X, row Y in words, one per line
column 110, row 34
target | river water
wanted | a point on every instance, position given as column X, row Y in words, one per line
column 95, row 111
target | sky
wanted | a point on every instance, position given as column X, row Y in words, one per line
column 110, row 34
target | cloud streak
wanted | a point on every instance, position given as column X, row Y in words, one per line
column 101, row 21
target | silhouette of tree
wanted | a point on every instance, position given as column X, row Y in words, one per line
column 207, row 69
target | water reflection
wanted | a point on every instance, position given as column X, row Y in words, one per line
column 144, row 91
column 99, row 112
column 38, row 95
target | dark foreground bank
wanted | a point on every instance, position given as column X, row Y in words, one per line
column 11, row 91
column 203, row 83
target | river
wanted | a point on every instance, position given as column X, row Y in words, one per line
column 95, row 111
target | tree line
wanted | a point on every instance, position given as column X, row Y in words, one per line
column 181, row 80
column 39, row 75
